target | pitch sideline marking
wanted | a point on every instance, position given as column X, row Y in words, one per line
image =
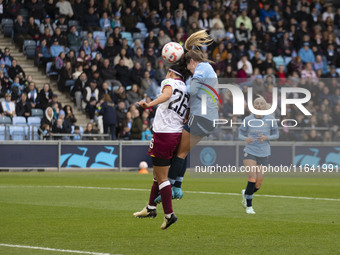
column 52, row 249
column 191, row 192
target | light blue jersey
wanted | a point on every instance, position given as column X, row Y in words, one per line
column 254, row 127
column 204, row 74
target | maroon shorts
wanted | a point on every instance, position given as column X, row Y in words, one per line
column 164, row 145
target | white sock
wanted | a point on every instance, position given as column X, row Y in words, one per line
column 168, row 215
column 151, row 207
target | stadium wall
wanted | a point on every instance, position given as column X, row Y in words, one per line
column 123, row 155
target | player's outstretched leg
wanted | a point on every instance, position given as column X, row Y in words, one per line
column 170, row 218
column 177, row 187
column 150, row 210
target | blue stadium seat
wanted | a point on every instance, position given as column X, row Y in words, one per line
column 7, row 27
column 139, row 36
column 19, row 120
column 33, row 121
column 83, row 35
column 4, row 133
column 5, row 120
column 17, row 133
column 279, row 61
column 29, row 48
column 37, row 113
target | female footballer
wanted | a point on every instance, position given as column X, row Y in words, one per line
column 200, row 123
column 167, row 126
column 256, row 131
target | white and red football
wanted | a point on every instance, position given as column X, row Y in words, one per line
column 172, row 52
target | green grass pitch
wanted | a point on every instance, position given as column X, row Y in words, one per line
column 36, row 210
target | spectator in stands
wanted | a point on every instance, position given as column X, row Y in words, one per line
column 120, row 95
column 129, row 21
column 59, row 61
column 54, row 101
column 56, row 49
column 77, row 135
column 105, row 23
column 36, row 9
column 108, row 110
column 91, row 20
column 62, row 24
column 134, row 95
column 59, row 128
column 80, row 10
column 65, row 8
column 6, row 85
column 90, row 131
column 163, row 38
column 97, row 46
column 205, row 22
column 139, row 57
column 7, row 57
column 244, row 61
column 3, row 68
column 123, row 74
column 33, row 29
column 78, row 90
column 45, row 96
column 116, row 21
column 127, row 60
column 60, row 37
column 160, row 72
column 65, row 78
column 73, row 39
column 46, row 24
column 11, row 9
column 20, row 32
column 110, row 49
column 48, row 119
column 306, row 54
column 137, row 126
column 66, row 123
column 308, row 72
column 220, row 49
column 243, row 18
column 151, row 38
column 108, row 73
column 150, row 57
column 23, row 108
column 69, row 116
column 104, row 89
column 149, row 86
column 91, row 98
column 15, row 70
column 86, row 48
column 8, row 106
column 242, row 34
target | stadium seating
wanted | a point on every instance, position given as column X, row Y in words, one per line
column 29, row 48
column 37, row 113
column 17, row 133
column 5, row 120
column 101, row 35
column 7, row 27
column 4, row 133
column 19, row 120
column 48, row 70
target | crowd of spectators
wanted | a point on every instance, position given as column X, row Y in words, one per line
column 257, row 43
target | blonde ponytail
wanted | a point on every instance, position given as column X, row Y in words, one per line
column 198, row 39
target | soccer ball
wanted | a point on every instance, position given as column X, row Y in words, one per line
column 172, row 52
column 143, row 165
